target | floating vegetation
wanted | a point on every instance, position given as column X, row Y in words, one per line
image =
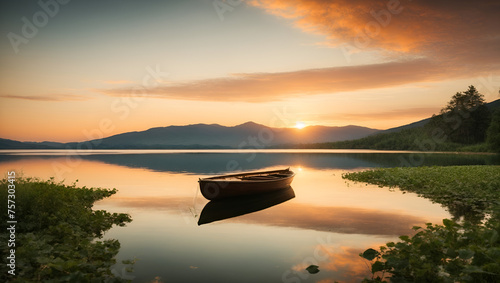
column 467, row 191
column 466, row 249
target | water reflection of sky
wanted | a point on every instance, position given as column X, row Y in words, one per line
column 328, row 223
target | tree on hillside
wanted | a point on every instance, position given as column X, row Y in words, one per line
column 493, row 133
column 465, row 118
column 468, row 101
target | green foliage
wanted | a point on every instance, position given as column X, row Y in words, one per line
column 467, row 191
column 450, row 252
column 56, row 231
column 465, row 119
column 453, row 252
column 465, row 101
column 493, row 133
column 479, row 147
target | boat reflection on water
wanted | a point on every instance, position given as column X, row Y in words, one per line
column 217, row 210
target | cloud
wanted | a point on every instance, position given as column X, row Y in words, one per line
column 454, row 30
column 262, row 87
column 52, row 97
column 339, row 262
column 118, row 82
column 422, row 41
column 411, row 113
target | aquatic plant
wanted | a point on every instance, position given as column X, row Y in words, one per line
column 466, row 249
column 466, row 191
column 57, row 232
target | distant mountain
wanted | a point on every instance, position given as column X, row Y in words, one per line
column 12, row 144
column 247, row 135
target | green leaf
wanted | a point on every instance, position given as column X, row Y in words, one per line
column 370, row 254
column 312, row 269
column 405, row 238
column 465, row 254
column 448, row 223
column 377, row 266
column 473, row 269
column 494, row 237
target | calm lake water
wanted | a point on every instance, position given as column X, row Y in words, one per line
column 324, row 221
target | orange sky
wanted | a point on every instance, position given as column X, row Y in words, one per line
column 97, row 69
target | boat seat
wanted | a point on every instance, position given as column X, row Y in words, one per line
column 260, row 178
column 280, row 175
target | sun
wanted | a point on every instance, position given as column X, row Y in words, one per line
column 300, row 125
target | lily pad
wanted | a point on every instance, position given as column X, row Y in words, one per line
column 312, row 269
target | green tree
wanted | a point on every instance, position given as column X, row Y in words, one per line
column 465, row 118
column 493, row 133
column 465, row 101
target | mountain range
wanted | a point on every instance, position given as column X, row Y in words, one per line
column 247, row 135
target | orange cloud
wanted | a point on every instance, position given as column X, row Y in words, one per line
column 118, row 82
column 262, row 87
column 454, row 29
column 343, row 264
column 349, row 265
column 413, row 113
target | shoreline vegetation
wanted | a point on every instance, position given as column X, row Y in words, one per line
column 57, row 235
column 463, row 249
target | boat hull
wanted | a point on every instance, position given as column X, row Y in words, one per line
column 220, row 188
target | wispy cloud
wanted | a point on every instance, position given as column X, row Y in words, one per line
column 410, row 113
column 52, row 97
column 118, row 82
column 262, row 87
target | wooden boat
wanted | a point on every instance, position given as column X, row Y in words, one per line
column 233, row 185
column 222, row 209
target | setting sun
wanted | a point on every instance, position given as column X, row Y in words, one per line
column 300, row 125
